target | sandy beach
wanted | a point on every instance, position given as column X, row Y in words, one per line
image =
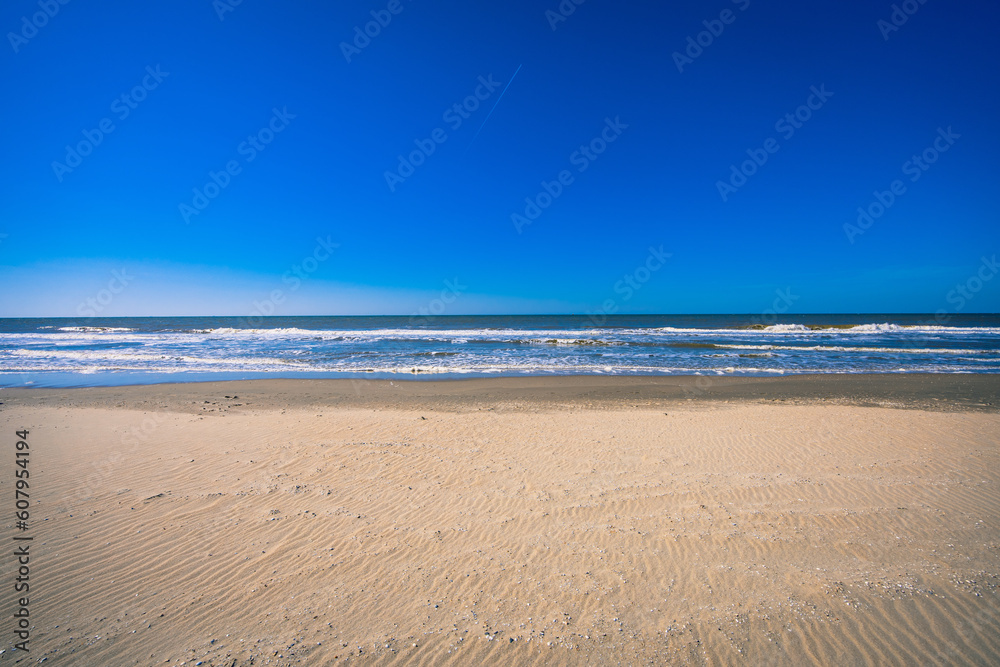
column 846, row 520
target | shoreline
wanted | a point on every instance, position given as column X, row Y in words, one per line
column 974, row 391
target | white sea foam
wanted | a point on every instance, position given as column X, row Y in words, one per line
column 881, row 328
column 857, row 329
column 785, row 328
column 73, row 359
column 97, row 329
column 846, row 348
column 112, row 334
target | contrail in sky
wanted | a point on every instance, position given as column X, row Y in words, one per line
column 494, row 106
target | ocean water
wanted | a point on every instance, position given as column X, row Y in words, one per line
column 116, row 351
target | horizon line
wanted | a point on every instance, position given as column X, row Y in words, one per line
column 422, row 316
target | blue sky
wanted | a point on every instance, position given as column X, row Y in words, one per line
column 201, row 90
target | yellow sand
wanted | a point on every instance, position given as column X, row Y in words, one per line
column 717, row 533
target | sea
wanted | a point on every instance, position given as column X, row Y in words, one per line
column 68, row 352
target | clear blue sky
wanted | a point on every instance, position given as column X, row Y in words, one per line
column 323, row 175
